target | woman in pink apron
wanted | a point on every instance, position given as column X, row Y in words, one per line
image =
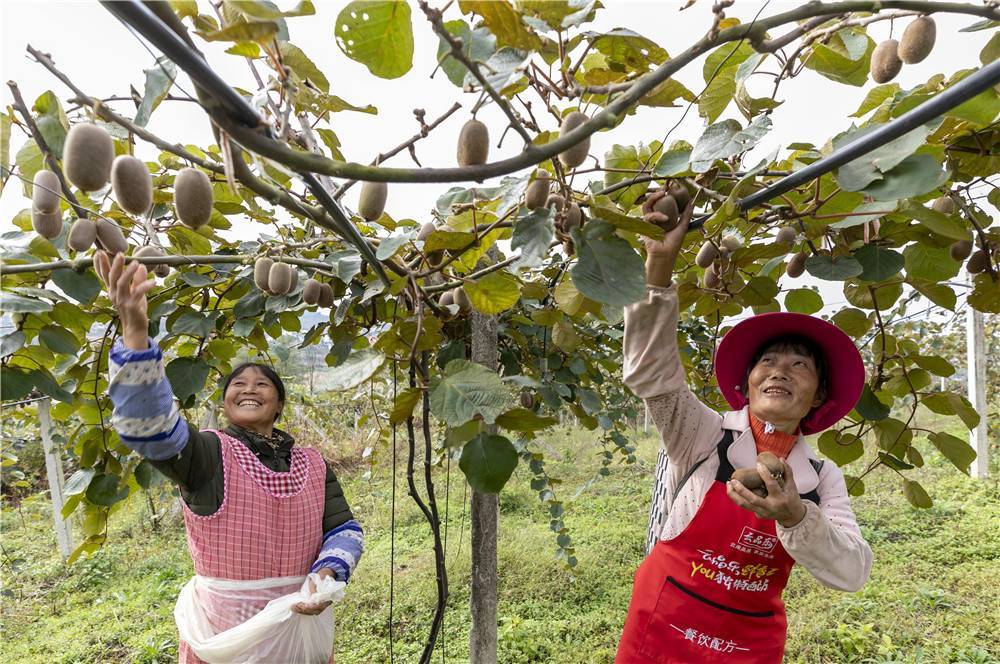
column 260, row 512
column 710, row 588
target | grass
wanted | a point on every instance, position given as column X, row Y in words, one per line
column 931, row 597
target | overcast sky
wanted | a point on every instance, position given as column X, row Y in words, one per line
column 103, row 58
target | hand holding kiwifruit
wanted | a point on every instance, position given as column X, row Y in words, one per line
column 660, row 208
column 751, row 477
column 661, row 255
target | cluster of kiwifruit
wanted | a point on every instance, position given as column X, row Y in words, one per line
column 916, row 44
column 316, row 292
column 568, row 216
column 663, row 207
column 457, row 297
column 275, row 277
column 714, row 259
column 979, row 259
column 751, row 479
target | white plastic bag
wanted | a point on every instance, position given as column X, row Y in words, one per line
column 227, row 621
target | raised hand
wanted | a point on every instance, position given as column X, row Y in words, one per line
column 127, row 287
column 661, row 255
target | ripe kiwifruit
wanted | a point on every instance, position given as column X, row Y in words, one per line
column 960, row 250
column 556, row 202
column 978, row 262
column 527, row 399
column 295, row 278
column 574, row 217
column 706, row 255
column 538, row 191
column 111, row 237
column 279, row 279
column 577, row 154
column 311, row 291
column 159, row 269
column 82, row 234
column 87, row 156
column 773, row 465
column 680, row 193
column 786, row 235
column 193, row 197
column 731, row 242
column 45, row 192
column 711, row 278
column 47, row 224
column 944, row 204
column 371, row 202
column 797, row 265
column 326, row 296
column 669, row 208
column 462, row 300
column 885, row 63
column 473, row 143
column 751, row 479
column 261, row 270
column 917, row 40
column 132, row 184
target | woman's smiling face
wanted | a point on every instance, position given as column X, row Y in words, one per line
column 783, row 387
column 251, row 401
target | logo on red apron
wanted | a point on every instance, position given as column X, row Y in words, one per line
column 757, row 540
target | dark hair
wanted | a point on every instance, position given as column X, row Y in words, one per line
column 264, row 369
column 793, row 343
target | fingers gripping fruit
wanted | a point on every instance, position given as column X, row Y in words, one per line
column 680, row 193
column 751, row 479
column 87, row 156
column 193, row 197
column 473, row 144
column 661, row 209
column 577, row 154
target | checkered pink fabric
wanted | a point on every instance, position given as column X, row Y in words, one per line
column 269, row 524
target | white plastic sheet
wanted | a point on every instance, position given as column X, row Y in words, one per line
column 252, row 621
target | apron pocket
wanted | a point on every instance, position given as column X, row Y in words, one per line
column 722, row 607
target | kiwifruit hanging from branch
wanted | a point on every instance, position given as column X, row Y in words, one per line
column 311, row 290
column 680, row 193
column 295, row 278
column 885, row 63
column 193, row 197
column 731, row 242
column 132, row 184
column 917, row 41
column 87, row 156
column 706, row 255
column 111, row 237
column 82, row 234
column 261, row 271
column 279, row 279
column 944, row 204
column 47, row 224
column 978, row 262
column 371, row 202
column 797, row 265
column 577, row 154
column 527, row 399
column 473, row 143
column 462, row 300
column 960, row 250
column 434, row 258
column 786, row 235
column 326, row 296
column 538, row 191
column 45, row 192
column 159, row 269
column 711, row 278
column 574, row 217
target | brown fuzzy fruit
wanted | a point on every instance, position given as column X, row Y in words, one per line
column 681, row 195
column 786, row 235
column 87, row 156
column 668, row 207
column 706, row 255
column 944, row 205
column 326, row 296
column 132, row 184
column 574, row 217
column 538, row 191
column 960, row 250
column 527, row 399
column 917, row 41
column 311, row 291
column 47, row 224
column 45, row 192
column 773, row 464
column 731, row 242
column 371, row 202
column 295, row 278
column 556, row 202
column 261, row 270
column 473, row 144
column 193, row 197
column 577, row 154
column 279, row 279
column 796, row 266
column 82, row 234
column 978, row 262
column 462, row 300
column 568, row 248
column 159, row 269
column 111, row 237
column 711, row 278
column 751, row 479
column 885, row 63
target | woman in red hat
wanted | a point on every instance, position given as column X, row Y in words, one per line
column 710, row 588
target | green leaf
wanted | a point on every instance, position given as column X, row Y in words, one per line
column 103, row 490
column 83, row 287
column 159, row 78
column 936, row 222
column 833, row 268
column 803, row 301
column 837, row 64
column 244, row 49
column 79, row 481
column 608, row 270
column 939, row 294
column 875, row 97
column 759, row 291
column 10, row 343
column 194, row 323
column 51, row 122
column 405, row 402
column 985, row 295
column 488, row 460
column 956, row 450
column 675, row 160
column 292, row 56
column 468, row 390
column 620, row 159
column 841, row 448
column 267, row 10
column 949, row 403
column 11, row 303
column 29, row 160
column 871, row 167
column 915, row 175
column 250, row 31
column 602, row 208
column 378, row 34
column 533, row 234
column 356, row 369
column 878, row 263
column 726, row 139
column 852, row 321
column 916, row 494
column 15, row 383
column 477, row 45
column 59, row 339
column 496, row 292
column 936, row 365
column 930, row 263
column 524, row 420
column 390, row 245
column 187, row 376
column 869, row 406
column 504, row 22
column 145, row 474
column 5, row 125
column 458, row 436
column 719, row 73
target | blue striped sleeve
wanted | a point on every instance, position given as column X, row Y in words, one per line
column 144, row 415
column 341, row 550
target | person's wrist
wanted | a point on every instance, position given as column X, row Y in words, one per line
column 659, row 270
column 797, row 513
column 135, row 337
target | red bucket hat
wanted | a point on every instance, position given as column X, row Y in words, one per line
column 845, row 370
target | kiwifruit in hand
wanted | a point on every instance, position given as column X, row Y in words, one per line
column 944, row 204
column 111, row 237
column 978, row 262
column 786, row 235
column 773, row 465
column 751, row 479
column 668, row 207
column 527, row 399
column 473, row 143
column 885, row 63
column 47, row 224
column 797, row 265
column 462, row 300
column 577, row 154
column 193, row 197
column 45, row 192
column 538, row 191
column 917, row 41
column 706, row 255
column 311, row 291
column 681, row 195
column 960, row 250
column 87, row 156
column 371, row 202
column 279, row 279
column 261, row 271
column 132, row 184
column 82, row 234
column 731, row 242
column 159, row 269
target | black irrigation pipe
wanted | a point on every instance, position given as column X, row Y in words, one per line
column 961, row 92
column 134, row 14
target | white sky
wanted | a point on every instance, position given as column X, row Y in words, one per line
column 102, row 58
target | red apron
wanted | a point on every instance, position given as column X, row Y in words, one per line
column 713, row 593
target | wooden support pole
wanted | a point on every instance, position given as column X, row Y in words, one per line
column 54, row 470
column 976, row 370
